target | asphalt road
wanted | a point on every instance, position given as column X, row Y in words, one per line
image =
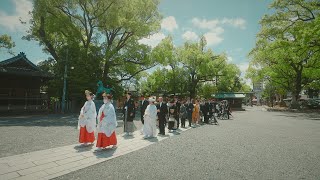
column 254, row 145
column 22, row 134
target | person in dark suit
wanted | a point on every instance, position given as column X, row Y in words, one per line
column 189, row 111
column 177, row 105
column 202, row 112
column 172, row 116
column 162, row 110
column 143, row 106
column 129, row 114
column 210, row 109
column 206, row 111
column 183, row 114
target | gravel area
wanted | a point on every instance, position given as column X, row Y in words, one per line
column 254, row 145
column 24, row 134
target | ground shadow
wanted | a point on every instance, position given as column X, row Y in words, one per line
column 301, row 116
column 81, row 148
column 155, row 139
column 128, row 137
column 105, row 153
column 47, row 120
column 41, row 120
column 231, row 118
column 166, row 135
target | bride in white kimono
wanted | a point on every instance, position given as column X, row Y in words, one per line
column 150, row 120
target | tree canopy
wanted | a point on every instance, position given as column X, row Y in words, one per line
column 6, row 43
column 192, row 68
column 101, row 38
column 287, row 50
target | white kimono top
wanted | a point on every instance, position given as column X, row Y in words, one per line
column 89, row 116
column 107, row 119
column 150, row 121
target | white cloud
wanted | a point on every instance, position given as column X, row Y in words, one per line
column 217, row 30
column 243, row 67
column 230, row 59
column 38, row 61
column 237, row 22
column 238, row 49
column 215, row 27
column 214, row 23
column 12, row 22
column 190, row 36
column 169, row 23
column 152, row 40
column 213, row 38
column 205, row 24
column 248, row 82
column 168, row 67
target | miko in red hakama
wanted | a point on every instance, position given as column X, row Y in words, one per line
column 87, row 122
column 85, row 136
column 104, row 141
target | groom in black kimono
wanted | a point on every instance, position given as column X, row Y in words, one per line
column 178, row 105
column 129, row 114
column 162, row 110
column 143, row 106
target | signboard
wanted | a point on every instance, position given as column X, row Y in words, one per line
column 257, row 86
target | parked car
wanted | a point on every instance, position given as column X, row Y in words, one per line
column 313, row 103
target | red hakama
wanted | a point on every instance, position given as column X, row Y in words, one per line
column 104, row 141
column 86, row 137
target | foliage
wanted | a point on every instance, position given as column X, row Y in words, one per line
column 101, row 38
column 287, row 50
column 191, row 68
column 6, row 43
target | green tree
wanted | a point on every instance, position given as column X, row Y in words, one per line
column 206, row 90
column 6, row 43
column 201, row 64
column 191, row 69
column 98, row 38
column 230, row 80
column 287, row 47
column 97, row 29
column 166, row 81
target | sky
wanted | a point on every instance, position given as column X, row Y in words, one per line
column 229, row 26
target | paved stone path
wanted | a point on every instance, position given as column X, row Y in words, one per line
column 51, row 163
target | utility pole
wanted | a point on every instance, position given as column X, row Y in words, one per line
column 63, row 101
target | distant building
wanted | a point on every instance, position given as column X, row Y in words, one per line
column 21, row 81
column 234, row 98
column 257, row 89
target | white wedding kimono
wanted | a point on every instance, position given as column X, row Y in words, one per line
column 89, row 116
column 107, row 123
column 150, row 120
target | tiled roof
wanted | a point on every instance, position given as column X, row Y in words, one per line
column 32, row 70
column 229, row 95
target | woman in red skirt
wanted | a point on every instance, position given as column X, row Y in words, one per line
column 107, row 124
column 87, row 120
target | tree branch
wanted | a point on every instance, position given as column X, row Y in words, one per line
column 43, row 36
column 136, row 73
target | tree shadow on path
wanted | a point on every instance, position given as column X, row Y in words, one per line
column 41, row 120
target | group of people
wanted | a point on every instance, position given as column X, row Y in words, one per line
column 175, row 113
column 171, row 114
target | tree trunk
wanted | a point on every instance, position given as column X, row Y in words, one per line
column 297, row 90
column 106, row 71
column 192, row 87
